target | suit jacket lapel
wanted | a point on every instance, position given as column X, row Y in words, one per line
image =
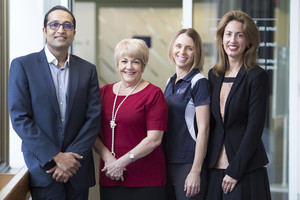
column 73, row 85
column 241, row 74
column 45, row 73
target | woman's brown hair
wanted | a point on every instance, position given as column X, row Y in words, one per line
column 251, row 33
column 199, row 49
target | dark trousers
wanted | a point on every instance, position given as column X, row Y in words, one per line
column 176, row 175
column 132, row 193
column 58, row 191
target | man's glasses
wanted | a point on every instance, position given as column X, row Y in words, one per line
column 56, row 26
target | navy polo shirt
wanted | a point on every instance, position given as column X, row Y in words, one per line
column 182, row 98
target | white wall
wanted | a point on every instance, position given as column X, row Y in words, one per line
column 294, row 98
column 25, row 36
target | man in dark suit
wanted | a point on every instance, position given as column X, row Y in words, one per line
column 55, row 108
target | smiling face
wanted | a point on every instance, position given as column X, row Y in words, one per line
column 59, row 40
column 130, row 69
column 234, row 40
column 183, row 51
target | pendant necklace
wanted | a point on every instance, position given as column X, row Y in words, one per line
column 114, row 115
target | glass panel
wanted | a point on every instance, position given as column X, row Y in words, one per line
column 272, row 19
column 205, row 22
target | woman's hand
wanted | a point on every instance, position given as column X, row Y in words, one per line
column 114, row 169
column 192, row 181
column 192, row 184
column 228, row 184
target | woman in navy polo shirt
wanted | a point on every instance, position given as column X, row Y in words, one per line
column 188, row 97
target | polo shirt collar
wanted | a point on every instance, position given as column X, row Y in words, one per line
column 187, row 77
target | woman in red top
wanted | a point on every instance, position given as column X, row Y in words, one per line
column 134, row 118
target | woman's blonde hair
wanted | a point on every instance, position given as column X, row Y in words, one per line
column 198, row 46
column 135, row 48
column 251, row 33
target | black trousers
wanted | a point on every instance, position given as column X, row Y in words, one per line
column 176, row 175
column 58, row 191
column 132, row 193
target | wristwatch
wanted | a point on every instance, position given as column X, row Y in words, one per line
column 131, row 156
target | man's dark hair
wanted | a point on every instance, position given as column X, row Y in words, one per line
column 59, row 7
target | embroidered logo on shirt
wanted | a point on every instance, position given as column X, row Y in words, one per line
column 180, row 91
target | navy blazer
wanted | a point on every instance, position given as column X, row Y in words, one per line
column 244, row 118
column 35, row 116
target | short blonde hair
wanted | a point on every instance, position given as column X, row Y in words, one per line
column 198, row 61
column 251, row 33
column 135, row 48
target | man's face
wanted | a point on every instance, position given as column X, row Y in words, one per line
column 60, row 39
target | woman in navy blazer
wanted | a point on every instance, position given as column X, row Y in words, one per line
column 236, row 156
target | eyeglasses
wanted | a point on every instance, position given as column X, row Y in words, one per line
column 56, row 26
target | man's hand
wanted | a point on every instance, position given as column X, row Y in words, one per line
column 68, row 162
column 59, row 175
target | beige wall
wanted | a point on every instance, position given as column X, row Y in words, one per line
column 115, row 24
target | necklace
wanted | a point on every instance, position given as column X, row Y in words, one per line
column 114, row 115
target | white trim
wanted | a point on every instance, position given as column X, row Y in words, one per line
column 189, row 116
column 187, row 13
column 195, row 79
column 294, row 101
column 190, row 109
